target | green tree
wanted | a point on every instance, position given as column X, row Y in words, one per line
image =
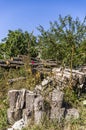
column 2, row 51
column 63, row 39
column 19, row 43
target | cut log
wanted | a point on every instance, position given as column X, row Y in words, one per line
column 5, row 66
column 16, row 62
column 43, row 69
column 10, row 81
column 10, row 64
column 74, row 71
column 16, row 59
column 50, row 64
column 2, row 62
column 35, row 59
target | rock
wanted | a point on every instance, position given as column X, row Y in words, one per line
column 72, row 113
column 30, row 99
column 14, row 115
column 21, row 99
column 57, row 98
column 16, row 103
column 46, row 99
column 57, row 112
column 16, row 98
column 10, row 117
column 12, row 98
column 28, row 111
column 38, row 89
column 46, row 81
column 18, row 125
column 38, row 109
column 10, row 129
column 27, row 115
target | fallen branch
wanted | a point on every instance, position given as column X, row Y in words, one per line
column 10, row 81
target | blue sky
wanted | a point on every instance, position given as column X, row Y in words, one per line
column 29, row 14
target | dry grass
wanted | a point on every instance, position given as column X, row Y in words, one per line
column 30, row 83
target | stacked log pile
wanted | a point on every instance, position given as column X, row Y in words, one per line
column 12, row 63
column 43, row 65
column 67, row 78
column 36, row 64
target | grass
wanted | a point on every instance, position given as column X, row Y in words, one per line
column 3, row 113
column 54, row 125
column 5, row 75
column 30, row 83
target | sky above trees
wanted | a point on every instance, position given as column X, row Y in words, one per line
column 29, row 14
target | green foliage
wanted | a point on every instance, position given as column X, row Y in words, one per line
column 64, row 40
column 19, row 43
column 5, row 75
column 2, row 51
column 73, row 124
column 70, row 98
column 3, row 114
column 3, row 119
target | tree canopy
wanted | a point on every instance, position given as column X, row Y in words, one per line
column 64, row 41
column 19, row 43
column 64, row 38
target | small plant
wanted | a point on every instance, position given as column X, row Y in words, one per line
column 3, row 112
column 70, row 98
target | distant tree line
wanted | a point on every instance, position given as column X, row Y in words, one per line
column 64, row 41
